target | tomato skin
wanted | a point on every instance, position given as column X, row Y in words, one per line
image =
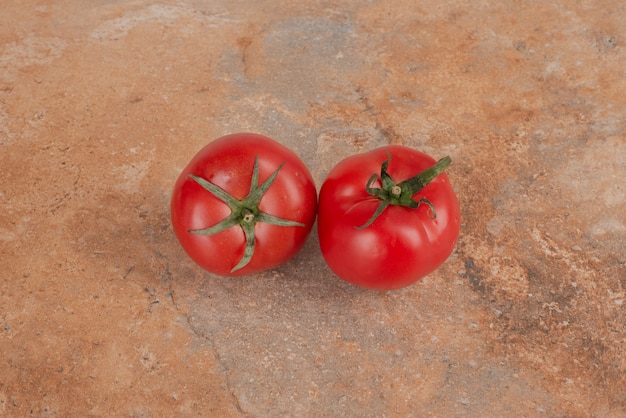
column 403, row 244
column 228, row 163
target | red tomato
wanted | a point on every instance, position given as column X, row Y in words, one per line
column 380, row 234
column 244, row 204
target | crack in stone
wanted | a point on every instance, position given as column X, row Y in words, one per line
column 167, row 279
column 210, row 343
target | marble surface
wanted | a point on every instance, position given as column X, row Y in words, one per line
column 102, row 103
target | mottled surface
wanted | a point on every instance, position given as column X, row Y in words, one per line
column 102, row 103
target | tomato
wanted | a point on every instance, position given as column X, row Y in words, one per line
column 244, row 204
column 379, row 234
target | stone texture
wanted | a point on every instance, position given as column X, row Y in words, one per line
column 102, row 103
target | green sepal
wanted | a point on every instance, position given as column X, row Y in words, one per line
column 385, row 178
column 244, row 212
column 215, row 190
column 248, row 252
column 381, row 207
column 275, row 220
column 230, row 221
column 256, row 192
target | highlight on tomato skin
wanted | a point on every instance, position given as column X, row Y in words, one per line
column 244, row 204
column 388, row 217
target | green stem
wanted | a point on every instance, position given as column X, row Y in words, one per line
column 401, row 194
column 417, row 183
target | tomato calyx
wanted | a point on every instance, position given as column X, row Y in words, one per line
column 401, row 194
column 244, row 212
